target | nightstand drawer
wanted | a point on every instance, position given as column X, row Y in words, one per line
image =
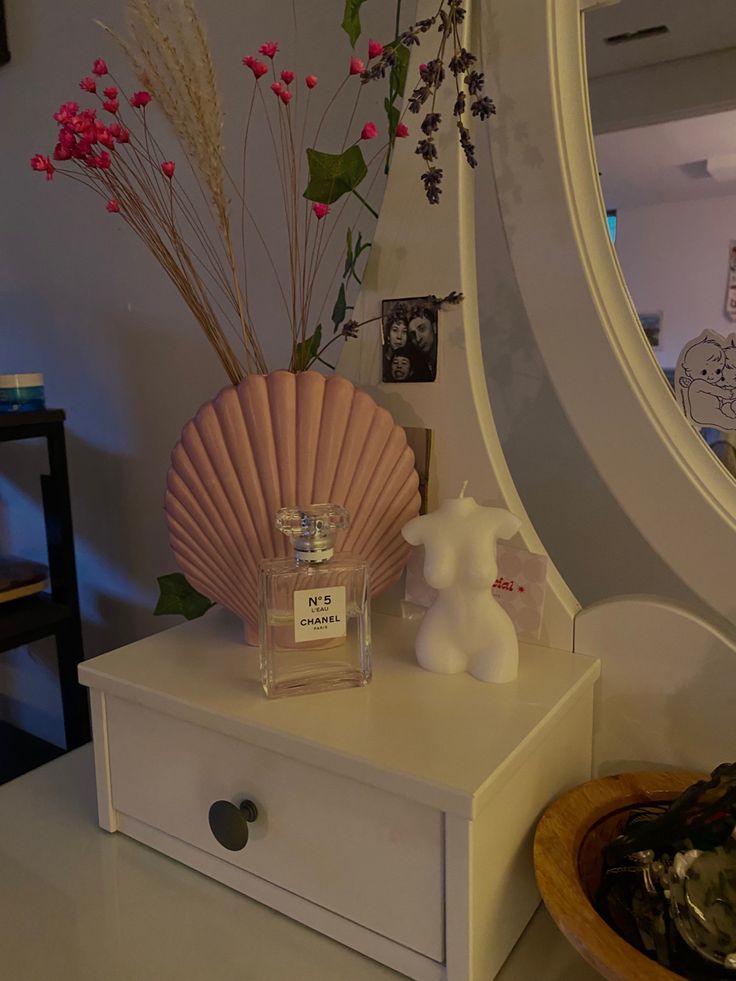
column 371, row 856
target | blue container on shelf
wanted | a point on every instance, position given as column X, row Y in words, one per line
column 22, row 393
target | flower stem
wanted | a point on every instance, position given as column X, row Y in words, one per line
column 364, row 202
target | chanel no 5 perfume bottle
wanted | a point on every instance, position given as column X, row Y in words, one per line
column 314, row 608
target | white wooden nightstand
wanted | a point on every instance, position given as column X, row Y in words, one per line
column 396, row 819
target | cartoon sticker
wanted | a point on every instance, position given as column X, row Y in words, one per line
column 705, row 380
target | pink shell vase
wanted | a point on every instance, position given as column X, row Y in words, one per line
column 277, row 440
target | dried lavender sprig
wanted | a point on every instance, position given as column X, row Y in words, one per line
column 460, row 62
column 418, row 97
column 475, row 82
column 431, row 123
column 452, row 299
column 385, row 63
column 466, row 144
column 483, row 108
column 427, row 149
column 432, row 180
column 450, row 15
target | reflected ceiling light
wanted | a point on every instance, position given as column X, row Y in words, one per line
column 641, row 35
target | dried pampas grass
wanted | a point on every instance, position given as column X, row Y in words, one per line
column 170, row 55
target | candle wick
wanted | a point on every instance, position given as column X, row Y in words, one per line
column 462, row 490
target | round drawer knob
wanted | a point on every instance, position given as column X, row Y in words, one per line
column 229, row 822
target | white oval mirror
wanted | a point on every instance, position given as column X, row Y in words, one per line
column 662, row 98
column 648, row 472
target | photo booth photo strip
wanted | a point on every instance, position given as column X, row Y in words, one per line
column 409, row 339
column 705, row 380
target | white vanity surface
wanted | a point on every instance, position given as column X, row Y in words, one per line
column 79, row 904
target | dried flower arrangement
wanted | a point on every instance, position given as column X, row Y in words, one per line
column 201, row 238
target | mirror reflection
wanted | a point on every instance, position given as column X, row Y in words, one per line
column 662, row 83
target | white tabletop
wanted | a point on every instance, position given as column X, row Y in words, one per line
column 79, row 904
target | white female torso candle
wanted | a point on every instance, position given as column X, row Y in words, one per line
column 466, row 628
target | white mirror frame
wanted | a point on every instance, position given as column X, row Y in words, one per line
column 658, row 468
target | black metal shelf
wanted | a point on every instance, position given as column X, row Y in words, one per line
column 24, row 620
column 28, row 425
column 55, row 613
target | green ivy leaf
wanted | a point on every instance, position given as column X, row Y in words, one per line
column 178, row 597
column 397, row 83
column 306, row 351
column 333, row 174
column 360, row 247
column 348, row 255
column 340, row 308
column 399, row 70
column 351, row 20
column 351, row 270
column 392, row 114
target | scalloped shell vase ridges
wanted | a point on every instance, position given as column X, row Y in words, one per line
column 277, row 440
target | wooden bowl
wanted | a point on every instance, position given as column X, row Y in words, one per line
column 568, row 859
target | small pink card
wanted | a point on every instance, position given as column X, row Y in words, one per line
column 519, row 588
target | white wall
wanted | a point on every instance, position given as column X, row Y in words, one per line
column 674, row 257
column 82, row 301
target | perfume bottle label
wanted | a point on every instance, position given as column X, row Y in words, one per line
column 319, row 613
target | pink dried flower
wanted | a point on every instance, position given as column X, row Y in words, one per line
column 168, row 167
column 139, row 100
column 269, row 48
column 110, row 92
column 79, row 125
column 112, row 206
column 321, row 210
column 258, row 68
column 66, row 111
column 43, row 165
column 99, row 67
column 311, row 81
column 106, row 139
column 66, row 138
column 287, row 76
column 369, row 131
column 375, row 48
column 62, row 152
column 121, row 134
column 88, row 84
column 277, row 87
column 356, row 66
column 102, row 161
column 81, row 149
column 111, row 105
column 285, row 96
column 402, row 130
